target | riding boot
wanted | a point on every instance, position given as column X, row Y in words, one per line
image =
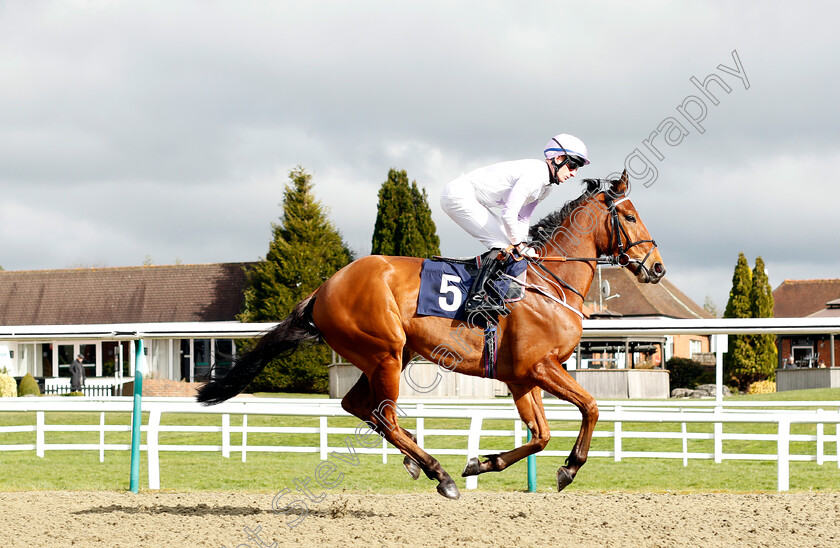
column 483, row 296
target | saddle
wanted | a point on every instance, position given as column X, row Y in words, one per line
column 445, row 283
column 515, row 290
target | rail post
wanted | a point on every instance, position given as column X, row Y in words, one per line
column 323, row 440
column 102, row 437
column 783, row 453
column 39, row 434
column 136, row 417
column 684, row 441
column 617, row 435
column 226, row 435
column 420, row 430
column 473, row 444
column 820, row 440
column 532, row 469
column 152, row 449
column 721, row 346
column 244, row 437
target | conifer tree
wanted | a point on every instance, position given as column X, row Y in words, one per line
column 740, row 358
column 306, row 250
column 761, row 306
column 404, row 224
column 738, row 305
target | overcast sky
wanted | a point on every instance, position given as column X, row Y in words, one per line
column 167, row 129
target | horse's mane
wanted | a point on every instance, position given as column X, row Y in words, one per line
column 542, row 231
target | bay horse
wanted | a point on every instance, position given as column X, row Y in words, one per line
column 366, row 312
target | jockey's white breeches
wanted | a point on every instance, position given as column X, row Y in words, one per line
column 459, row 201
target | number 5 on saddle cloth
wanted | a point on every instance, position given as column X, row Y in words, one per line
column 445, row 285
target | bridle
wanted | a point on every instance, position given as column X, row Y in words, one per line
column 619, row 242
column 621, row 258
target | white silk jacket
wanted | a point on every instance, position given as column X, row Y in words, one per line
column 514, row 187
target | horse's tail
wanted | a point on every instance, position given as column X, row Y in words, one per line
column 297, row 329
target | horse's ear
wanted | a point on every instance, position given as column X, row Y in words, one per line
column 621, row 185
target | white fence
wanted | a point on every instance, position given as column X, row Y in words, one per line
column 683, row 413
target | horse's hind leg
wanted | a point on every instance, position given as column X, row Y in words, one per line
column 550, row 375
column 529, row 404
column 358, row 402
column 385, row 385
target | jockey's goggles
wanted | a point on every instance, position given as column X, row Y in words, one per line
column 573, row 162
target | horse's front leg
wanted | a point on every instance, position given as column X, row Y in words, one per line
column 550, row 375
column 528, row 401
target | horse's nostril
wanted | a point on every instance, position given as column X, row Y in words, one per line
column 658, row 269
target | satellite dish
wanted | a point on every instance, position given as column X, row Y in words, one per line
column 605, row 288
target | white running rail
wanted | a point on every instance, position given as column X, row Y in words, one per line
column 683, row 413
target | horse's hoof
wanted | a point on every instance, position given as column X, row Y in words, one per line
column 564, row 478
column 412, row 467
column 449, row 490
column 472, row 468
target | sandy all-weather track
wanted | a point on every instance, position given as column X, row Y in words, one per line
column 217, row 519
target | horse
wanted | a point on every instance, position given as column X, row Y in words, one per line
column 366, row 312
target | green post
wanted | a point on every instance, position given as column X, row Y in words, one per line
column 532, row 470
column 137, row 418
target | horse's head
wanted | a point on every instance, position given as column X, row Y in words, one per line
column 602, row 222
column 625, row 238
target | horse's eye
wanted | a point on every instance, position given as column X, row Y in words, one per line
column 630, row 218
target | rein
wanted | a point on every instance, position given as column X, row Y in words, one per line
column 556, row 278
column 619, row 258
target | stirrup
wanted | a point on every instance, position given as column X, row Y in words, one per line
column 480, row 302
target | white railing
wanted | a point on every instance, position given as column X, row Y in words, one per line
column 682, row 413
column 95, row 387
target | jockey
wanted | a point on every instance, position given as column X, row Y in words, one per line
column 515, row 188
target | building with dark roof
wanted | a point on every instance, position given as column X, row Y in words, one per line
column 807, row 298
column 638, row 300
column 175, row 293
column 146, row 294
column 801, row 298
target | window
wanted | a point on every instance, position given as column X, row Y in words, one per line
column 204, row 359
column 201, row 354
column 66, row 353
column 803, row 355
column 186, row 360
column 65, row 358
column 26, row 360
column 224, row 357
column 115, row 354
column 694, row 347
column 88, row 351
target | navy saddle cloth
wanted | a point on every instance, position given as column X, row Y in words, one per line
column 445, row 284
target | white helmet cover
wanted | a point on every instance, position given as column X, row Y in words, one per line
column 565, row 144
